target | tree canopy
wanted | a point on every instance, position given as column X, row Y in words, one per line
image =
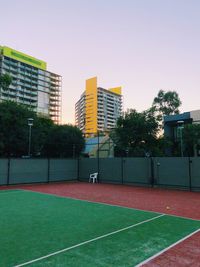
column 139, row 133
column 64, row 141
column 166, row 103
column 135, row 133
column 47, row 138
column 191, row 138
column 14, row 130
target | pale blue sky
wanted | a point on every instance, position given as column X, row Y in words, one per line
column 141, row 45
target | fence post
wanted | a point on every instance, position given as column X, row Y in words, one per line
column 189, row 169
column 98, row 159
column 78, row 168
column 8, row 172
column 122, row 169
column 152, row 172
column 74, row 151
column 48, row 170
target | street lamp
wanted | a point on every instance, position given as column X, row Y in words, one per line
column 30, row 124
column 181, row 127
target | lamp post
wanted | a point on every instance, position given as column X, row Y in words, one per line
column 180, row 127
column 30, row 124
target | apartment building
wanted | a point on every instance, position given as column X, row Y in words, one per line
column 32, row 84
column 174, row 128
column 98, row 109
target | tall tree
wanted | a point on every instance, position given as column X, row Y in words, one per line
column 166, row 103
column 47, row 138
column 64, row 141
column 14, row 131
column 40, row 131
column 135, row 133
column 191, row 138
column 13, row 128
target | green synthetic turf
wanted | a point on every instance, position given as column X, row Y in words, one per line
column 33, row 225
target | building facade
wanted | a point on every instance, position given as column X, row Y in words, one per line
column 173, row 129
column 98, row 109
column 173, row 122
column 32, row 85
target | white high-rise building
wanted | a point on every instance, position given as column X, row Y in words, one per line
column 32, row 84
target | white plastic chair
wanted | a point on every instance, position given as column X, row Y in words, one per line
column 93, row 177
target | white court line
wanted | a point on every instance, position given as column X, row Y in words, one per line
column 88, row 241
column 107, row 204
column 164, row 250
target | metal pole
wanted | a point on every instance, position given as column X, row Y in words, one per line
column 29, row 141
column 30, row 124
column 180, row 128
column 74, row 151
column 48, row 170
column 8, row 172
column 152, row 172
column 122, row 169
column 98, row 158
column 181, row 136
column 78, row 168
column 190, row 176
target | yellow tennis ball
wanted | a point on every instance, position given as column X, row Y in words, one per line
column 167, row 207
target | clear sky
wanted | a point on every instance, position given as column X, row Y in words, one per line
column 141, row 45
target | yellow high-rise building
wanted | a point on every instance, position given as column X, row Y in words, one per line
column 98, row 109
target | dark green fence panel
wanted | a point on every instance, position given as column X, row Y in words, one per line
column 4, row 171
column 172, row 172
column 137, row 171
column 179, row 172
column 110, row 170
column 195, row 173
column 86, row 167
column 28, row 171
column 63, row 169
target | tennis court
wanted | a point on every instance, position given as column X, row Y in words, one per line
column 39, row 229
